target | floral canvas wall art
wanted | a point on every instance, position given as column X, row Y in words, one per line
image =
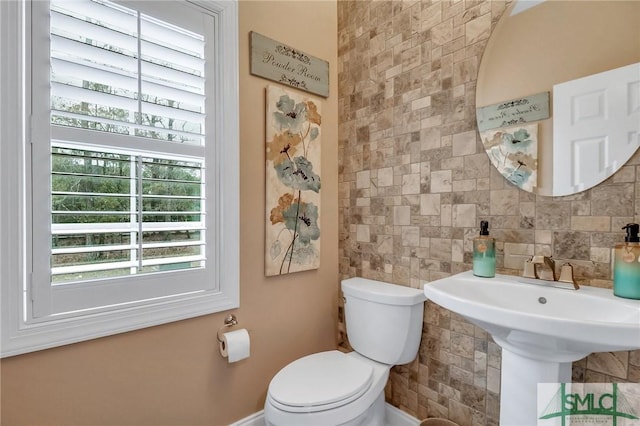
column 292, row 182
column 514, row 152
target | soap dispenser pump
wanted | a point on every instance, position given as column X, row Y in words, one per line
column 626, row 265
column 484, row 253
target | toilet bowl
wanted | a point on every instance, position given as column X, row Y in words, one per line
column 327, row 388
column 332, row 388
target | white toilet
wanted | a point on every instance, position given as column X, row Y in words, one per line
column 384, row 326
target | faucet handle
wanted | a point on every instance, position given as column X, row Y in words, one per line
column 566, row 275
column 539, row 259
column 546, row 261
column 529, row 269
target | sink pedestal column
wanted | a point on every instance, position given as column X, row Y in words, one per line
column 541, row 329
column 520, row 376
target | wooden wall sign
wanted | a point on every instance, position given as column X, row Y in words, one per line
column 278, row 62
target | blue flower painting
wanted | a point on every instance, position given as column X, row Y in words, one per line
column 293, row 182
column 514, row 152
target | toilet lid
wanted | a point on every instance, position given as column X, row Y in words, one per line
column 320, row 381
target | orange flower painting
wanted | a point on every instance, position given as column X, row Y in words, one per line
column 293, row 182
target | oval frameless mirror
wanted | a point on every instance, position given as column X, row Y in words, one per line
column 540, row 75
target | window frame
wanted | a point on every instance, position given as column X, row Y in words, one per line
column 21, row 332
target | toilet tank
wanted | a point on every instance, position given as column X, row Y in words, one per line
column 384, row 321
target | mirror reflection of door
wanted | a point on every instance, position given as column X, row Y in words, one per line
column 546, row 43
column 596, row 127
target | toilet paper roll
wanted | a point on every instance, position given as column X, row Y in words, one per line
column 235, row 345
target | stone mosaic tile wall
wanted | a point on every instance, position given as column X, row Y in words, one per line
column 415, row 182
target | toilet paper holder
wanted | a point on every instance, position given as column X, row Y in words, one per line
column 229, row 321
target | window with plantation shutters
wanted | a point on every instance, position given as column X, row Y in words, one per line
column 131, row 164
column 117, row 214
column 116, row 69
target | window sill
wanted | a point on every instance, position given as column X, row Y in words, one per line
column 35, row 337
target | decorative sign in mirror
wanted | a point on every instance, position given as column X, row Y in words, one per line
column 531, row 50
column 513, row 112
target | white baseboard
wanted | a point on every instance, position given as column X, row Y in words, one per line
column 395, row 417
column 256, row 419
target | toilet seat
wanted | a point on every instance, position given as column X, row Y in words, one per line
column 320, row 381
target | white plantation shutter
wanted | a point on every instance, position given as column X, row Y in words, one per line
column 151, row 219
column 117, row 212
column 119, row 123
column 133, row 154
column 118, row 70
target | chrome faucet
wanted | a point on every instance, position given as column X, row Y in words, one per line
column 531, row 272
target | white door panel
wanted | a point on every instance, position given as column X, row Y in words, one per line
column 596, row 126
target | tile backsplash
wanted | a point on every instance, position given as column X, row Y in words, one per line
column 414, row 182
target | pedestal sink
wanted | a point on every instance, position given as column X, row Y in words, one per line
column 541, row 330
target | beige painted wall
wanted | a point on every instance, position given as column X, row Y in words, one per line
column 173, row 374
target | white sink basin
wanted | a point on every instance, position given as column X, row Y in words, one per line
column 571, row 322
column 541, row 330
